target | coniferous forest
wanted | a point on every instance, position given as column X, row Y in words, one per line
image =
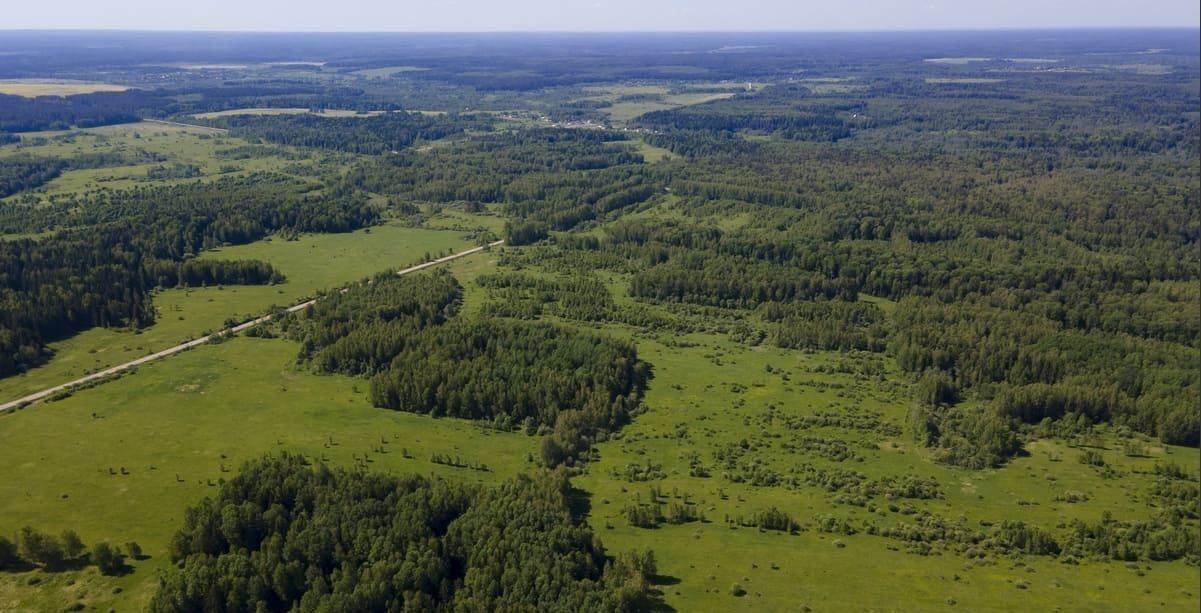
column 285, row 534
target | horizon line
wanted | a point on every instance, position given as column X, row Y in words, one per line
column 949, row 30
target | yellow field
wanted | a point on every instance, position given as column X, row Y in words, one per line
column 31, row 88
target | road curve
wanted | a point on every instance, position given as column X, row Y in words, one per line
column 120, row 368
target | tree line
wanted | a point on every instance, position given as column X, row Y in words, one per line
column 33, row 548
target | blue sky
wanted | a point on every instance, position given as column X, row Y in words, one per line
column 593, row 15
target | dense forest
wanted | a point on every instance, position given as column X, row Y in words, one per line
column 402, row 332
column 25, row 173
column 285, row 534
column 21, row 114
column 535, row 375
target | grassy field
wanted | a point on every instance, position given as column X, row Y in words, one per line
column 120, row 462
column 654, row 98
column 712, row 398
column 650, row 153
column 956, row 61
column 312, row 263
column 285, row 111
column 833, row 85
column 715, row 393
column 962, row 81
column 31, row 88
column 174, row 143
column 387, row 71
column 622, row 112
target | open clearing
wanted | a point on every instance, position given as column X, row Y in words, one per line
column 649, row 152
column 697, row 409
column 211, row 152
column 387, row 71
column 956, row 61
column 31, row 88
column 962, row 81
column 203, row 66
column 174, row 430
column 287, row 111
column 311, row 263
column 128, row 367
column 622, row 112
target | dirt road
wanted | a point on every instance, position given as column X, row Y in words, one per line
column 114, row 370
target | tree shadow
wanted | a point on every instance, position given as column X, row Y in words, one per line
column 579, row 502
column 18, row 566
column 124, row 569
column 665, row 580
column 654, row 599
column 74, row 564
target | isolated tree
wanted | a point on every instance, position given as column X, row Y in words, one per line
column 134, row 550
column 73, row 546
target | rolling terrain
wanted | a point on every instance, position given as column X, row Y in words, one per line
column 873, row 322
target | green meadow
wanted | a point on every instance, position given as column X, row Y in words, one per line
column 208, row 151
column 698, row 405
column 311, row 263
column 120, row 462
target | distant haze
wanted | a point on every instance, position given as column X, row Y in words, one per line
column 595, row 15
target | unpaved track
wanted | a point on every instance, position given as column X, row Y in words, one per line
column 114, row 370
column 185, row 125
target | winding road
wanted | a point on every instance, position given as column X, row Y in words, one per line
column 120, row 368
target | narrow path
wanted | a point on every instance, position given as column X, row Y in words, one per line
column 185, row 125
column 114, row 370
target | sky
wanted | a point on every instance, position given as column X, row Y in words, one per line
column 593, row 15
